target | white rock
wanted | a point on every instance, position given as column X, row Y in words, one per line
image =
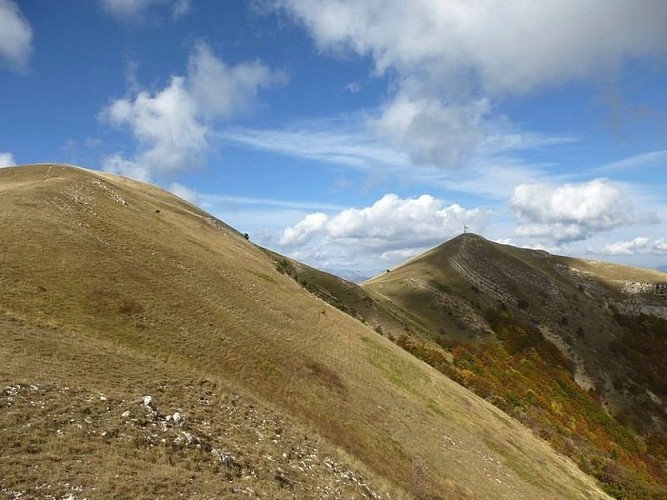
column 148, row 400
column 126, row 414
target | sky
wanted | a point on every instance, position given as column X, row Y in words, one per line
column 355, row 134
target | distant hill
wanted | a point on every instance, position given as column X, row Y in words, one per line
column 575, row 349
column 148, row 348
column 580, row 306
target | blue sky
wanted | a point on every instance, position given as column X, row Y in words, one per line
column 354, row 134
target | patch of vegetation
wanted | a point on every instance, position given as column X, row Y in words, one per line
column 644, row 348
column 527, row 377
column 284, row 266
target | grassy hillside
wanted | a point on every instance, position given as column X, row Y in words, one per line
column 540, row 336
column 149, row 350
column 564, row 345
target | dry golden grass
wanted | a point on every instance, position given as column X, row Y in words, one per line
column 115, row 287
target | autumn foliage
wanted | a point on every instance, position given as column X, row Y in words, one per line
column 527, row 377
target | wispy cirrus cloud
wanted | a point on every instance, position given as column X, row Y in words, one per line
column 134, row 9
column 333, row 146
column 211, row 199
column 653, row 159
column 347, row 142
column 217, row 199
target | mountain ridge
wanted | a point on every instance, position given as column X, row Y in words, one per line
column 142, row 325
column 481, row 311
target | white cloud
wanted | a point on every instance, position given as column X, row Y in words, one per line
column 532, row 245
column 509, row 45
column 388, row 231
column 215, row 200
column 221, row 90
column 6, row 160
column 433, row 133
column 304, row 230
column 15, row 36
column 166, row 126
column 450, row 60
column 570, row 212
column 172, row 126
column 133, row 9
column 653, row 159
column 352, row 148
column 638, row 246
column 132, row 168
column 346, row 142
column 180, row 8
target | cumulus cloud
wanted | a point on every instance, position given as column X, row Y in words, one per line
column 450, row 60
column 221, row 90
column 304, row 230
column 166, row 126
column 172, row 125
column 638, row 246
column 391, row 222
column 432, row 132
column 570, row 212
column 510, row 45
column 15, row 36
column 389, row 231
column 6, row 160
column 133, row 9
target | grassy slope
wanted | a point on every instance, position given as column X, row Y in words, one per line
column 469, row 308
column 572, row 309
column 116, row 287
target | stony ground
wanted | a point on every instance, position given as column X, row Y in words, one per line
column 213, row 444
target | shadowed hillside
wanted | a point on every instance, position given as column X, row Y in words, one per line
column 149, row 350
column 588, row 309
